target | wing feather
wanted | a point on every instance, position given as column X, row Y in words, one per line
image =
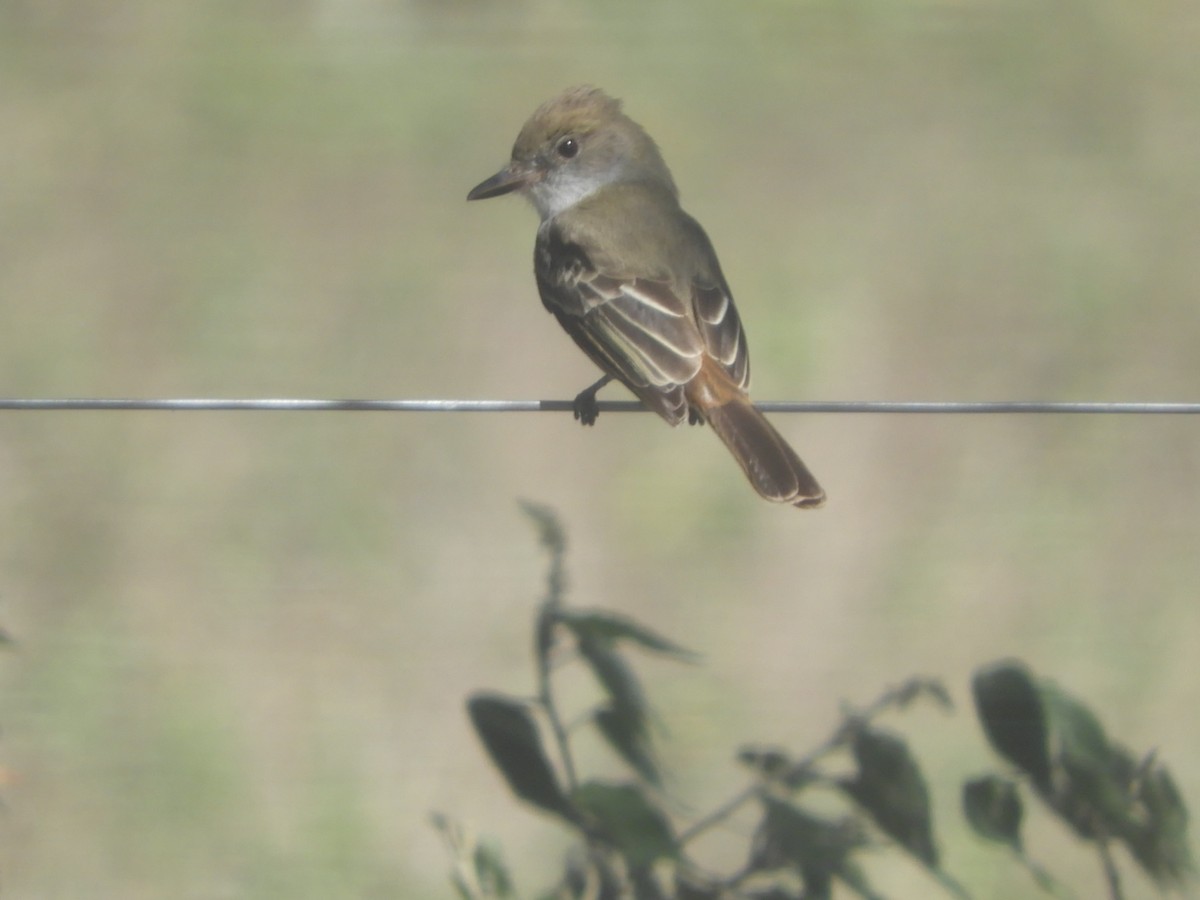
column 722, row 331
column 639, row 330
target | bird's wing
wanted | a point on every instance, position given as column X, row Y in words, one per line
column 641, row 330
column 721, row 328
column 640, row 333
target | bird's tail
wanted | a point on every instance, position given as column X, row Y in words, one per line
column 772, row 466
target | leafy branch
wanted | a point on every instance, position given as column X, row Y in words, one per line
column 1096, row 787
column 631, row 848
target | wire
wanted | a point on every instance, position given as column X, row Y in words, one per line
column 292, row 404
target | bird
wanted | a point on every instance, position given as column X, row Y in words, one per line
column 635, row 281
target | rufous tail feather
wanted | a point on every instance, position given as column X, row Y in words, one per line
column 772, row 466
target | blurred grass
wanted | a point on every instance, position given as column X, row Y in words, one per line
column 245, row 639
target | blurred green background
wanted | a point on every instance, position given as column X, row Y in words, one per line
column 244, row 639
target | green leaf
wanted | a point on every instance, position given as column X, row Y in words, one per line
column 617, row 678
column 627, row 702
column 776, row 765
column 856, row 879
column 554, row 539
column 1092, row 776
column 819, row 849
column 1009, row 705
column 594, row 874
column 610, row 627
column 636, row 827
column 645, row 885
column 550, row 531
column 1161, row 844
column 1095, row 785
column 544, row 631
column 510, row 735
column 479, row 869
column 624, row 720
column 460, row 885
column 689, row 887
column 993, row 809
column 633, row 745
column 1075, row 730
column 491, row 871
column 768, row 762
column 890, row 787
column 916, row 688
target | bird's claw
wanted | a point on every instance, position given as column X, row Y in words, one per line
column 585, row 408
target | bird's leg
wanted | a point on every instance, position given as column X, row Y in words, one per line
column 695, row 417
column 585, row 402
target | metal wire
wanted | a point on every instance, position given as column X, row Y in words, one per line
column 292, row 404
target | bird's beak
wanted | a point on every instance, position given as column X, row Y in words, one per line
column 511, row 178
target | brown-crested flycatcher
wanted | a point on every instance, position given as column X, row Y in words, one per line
column 635, row 281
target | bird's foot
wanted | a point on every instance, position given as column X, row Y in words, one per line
column 584, row 407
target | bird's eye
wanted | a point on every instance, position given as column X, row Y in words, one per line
column 567, row 147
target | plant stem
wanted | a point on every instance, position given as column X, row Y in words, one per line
column 951, row 884
column 1111, row 875
column 833, row 742
column 892, row 696
column 546, row 700
column 545, row 626
column 722, row 812
column 1044, row 879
